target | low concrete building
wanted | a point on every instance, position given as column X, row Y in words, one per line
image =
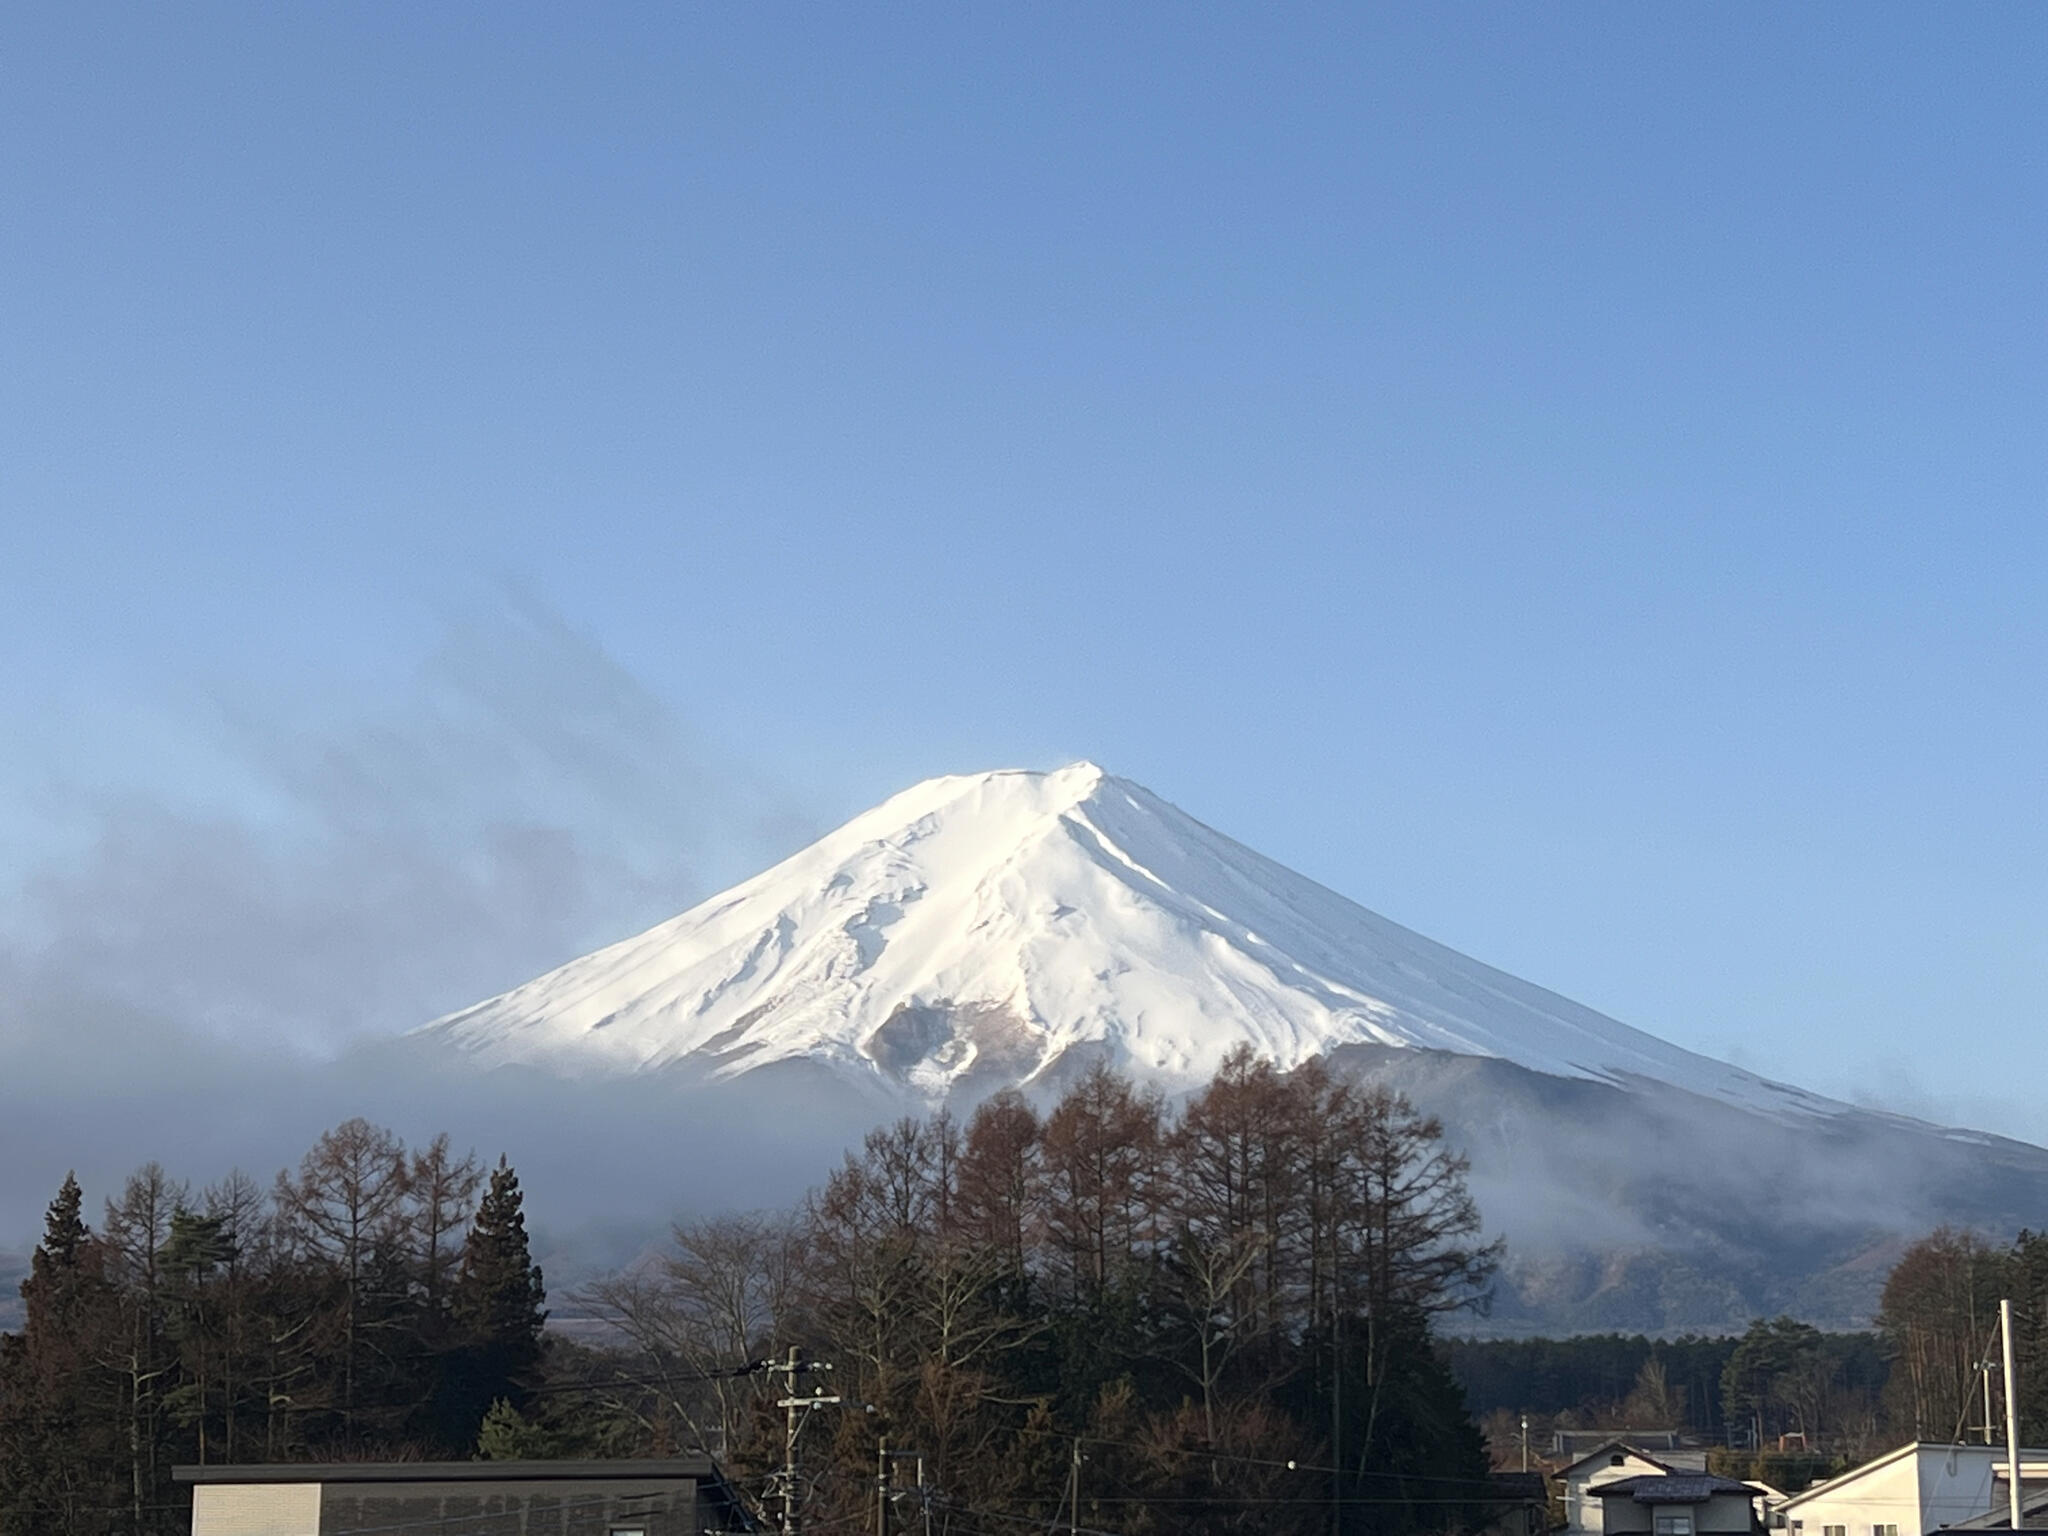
column 1679, row 1504
column 682, row 1497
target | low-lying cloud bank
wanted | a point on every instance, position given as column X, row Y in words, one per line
column 190, row 983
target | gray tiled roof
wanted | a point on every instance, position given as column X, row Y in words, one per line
column 2033, row 1513
column 1685, row 1488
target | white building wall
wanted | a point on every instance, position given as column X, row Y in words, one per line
column 256, row 1509
column 1721, row 1514
column 1955, row 1483
column 1858, row 1502
column 1919, row 1493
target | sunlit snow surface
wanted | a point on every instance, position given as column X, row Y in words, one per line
column 972, row 930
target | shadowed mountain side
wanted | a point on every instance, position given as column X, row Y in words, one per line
column 1625, row 1208
column 1650, row 1208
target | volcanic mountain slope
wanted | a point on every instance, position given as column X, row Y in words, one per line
column 979, row 931
column 1008, row 929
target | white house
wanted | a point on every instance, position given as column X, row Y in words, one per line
column 1914, row 1491
column 1608, row 1463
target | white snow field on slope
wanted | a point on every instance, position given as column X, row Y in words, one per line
column 970, row 931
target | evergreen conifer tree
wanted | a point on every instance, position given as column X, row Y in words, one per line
column 59, row 1458
column 500, row 1308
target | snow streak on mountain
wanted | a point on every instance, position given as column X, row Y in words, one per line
column 1000, row 928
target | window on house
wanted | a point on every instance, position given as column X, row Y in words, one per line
column 1617, row 1460
column 1834, row 1530
column 1884, row 1530
column 627, row 1530
column 1675, row 1525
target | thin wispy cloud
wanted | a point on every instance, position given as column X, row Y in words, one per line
column 183, row 977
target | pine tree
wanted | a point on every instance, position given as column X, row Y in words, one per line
column 500, row 1308
column 60, row 1460
column 197, row 1250
column 1416, row 1450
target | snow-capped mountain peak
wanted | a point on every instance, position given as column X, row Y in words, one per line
column 981, row 930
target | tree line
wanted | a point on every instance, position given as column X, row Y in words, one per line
column 1220, row 1319
column 1099, row 1311
column 1834, row 1397
column 1939, row 1321
column 371, row 1302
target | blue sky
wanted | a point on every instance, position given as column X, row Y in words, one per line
column 1571, row 478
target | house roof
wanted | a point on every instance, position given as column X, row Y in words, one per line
column 1566, row 1442
column 694, row 1468
column 1609, row 1449
column 1910, row 1448
column 2033, row 1514
column 1854, row 1472
column 1665, row 1488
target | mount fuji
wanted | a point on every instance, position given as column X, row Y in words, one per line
column 980, row 931
column 1009, row 929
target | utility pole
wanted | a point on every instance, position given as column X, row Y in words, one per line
column 882, row 1489
column 1336, row 1413
column 890, row 1456
column 2012, row 1417
column 796, row 1409
column 1074, row 1494
column 1525, row 1442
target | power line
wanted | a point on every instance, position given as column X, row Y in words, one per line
column 680, row 1379
column 1289, row 1465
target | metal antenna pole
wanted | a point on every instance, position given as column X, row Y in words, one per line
column 2012, row 1417
column 1988, row 1430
